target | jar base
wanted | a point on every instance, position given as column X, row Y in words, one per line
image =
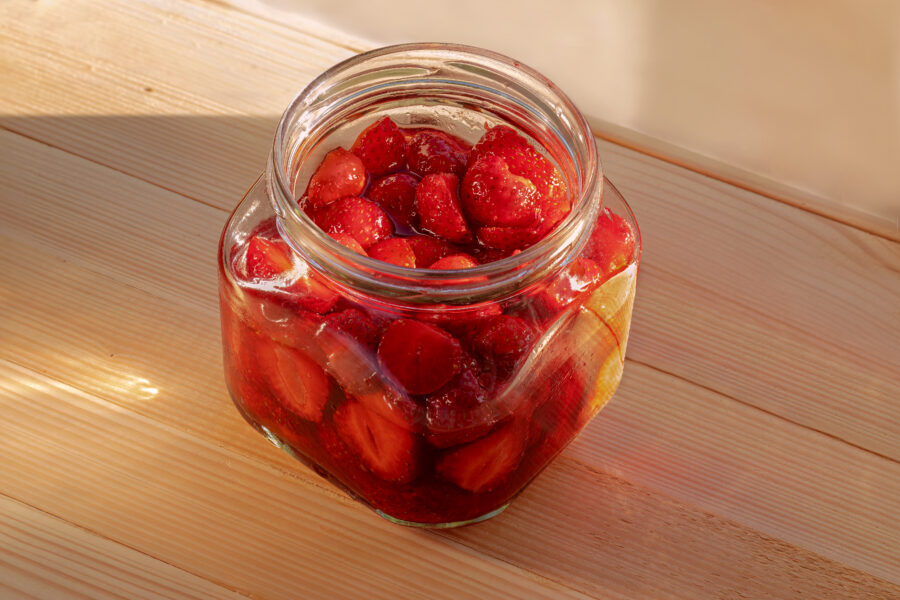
column 449, row 525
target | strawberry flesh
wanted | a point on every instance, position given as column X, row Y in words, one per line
column 492, row 195
column 421, row 357
column 483, row 464
column 612, row 243
column 355, row 324
column 388, row 451
column 299, row 383
column 396, row 194
column 349, row 241
column 357, row 217
column 429, row 249
column 504, row 340
column 458, row 413
column 440, row 212
column 381, row 147
column 433, row 151
column 340, row 174
column 396, row 251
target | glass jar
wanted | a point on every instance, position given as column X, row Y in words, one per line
column 301, row 345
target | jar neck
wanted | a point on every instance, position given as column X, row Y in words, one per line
column 451, row 87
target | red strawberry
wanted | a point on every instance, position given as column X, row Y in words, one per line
column 458, row 413
column 388, row 451
column 428, row 249
column 437, row 203
column 355, row 324
column 505, row 340
column 506, row 239
column 356, row 217
column 399, row 409
column 558, row 414
column 267, row 259
column 492, row 195
column 349, row 241
column 396, row 194
column 339, row 175
column 579, row 276
column 612, row 243
column 382, row 147
column 299, row 383
column 455, row 261
column 432, row 151
column 396, row 251
column 420, row 356
column 484, row 464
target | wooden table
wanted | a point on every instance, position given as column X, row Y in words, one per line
column 751, row 451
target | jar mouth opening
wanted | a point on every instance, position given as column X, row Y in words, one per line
column 410, row 73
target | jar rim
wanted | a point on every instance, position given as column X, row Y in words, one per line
column 469, row 286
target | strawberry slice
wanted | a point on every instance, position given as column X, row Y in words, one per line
column 399, row 409
column 440, row 212
column 349, row 241
column 272, row 260
column 484, row 464
column 429, row 249
column 455, row 261
column 506, row 239
column 580, row 276
column 505, row 340
column 396, row 251
column 267, row 259
column 612, row 243
column 340, row 174
column 396, row 194
column 356, row 325
column 382, row 147
column 299, row 383
column 558, row 414
column 458, row 413
column 357, row 217
column 420, row 356
column 431, row 151
column 388, row 451
column 492, row 195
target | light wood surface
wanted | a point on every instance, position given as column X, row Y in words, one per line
column 751, row 451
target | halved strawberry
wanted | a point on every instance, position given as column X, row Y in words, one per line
column 398, row 408
column 267, row 259
column 558, row 414
column 486, row 463
column 340, row 174
column 429, row 249
column 420, row 356
column 612, row 243
column 492, row 195
column 396, row 251
column 505, row 340
column 506, row 239
column 458, row 413
column 388, row 451
column 431, row 151
column 440, row 212
column 355, row 324
column 357, row 217
column 271, row 260
column 396, row 194
column 294, row 379
column 382, row 147
column 349, row 241
column 455, row 261
column 580, row 276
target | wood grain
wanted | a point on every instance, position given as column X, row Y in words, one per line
column 770, row 298
column 198, row 505
column 43, row 557
column 664, row 432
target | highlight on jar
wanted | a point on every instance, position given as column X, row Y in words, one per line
column 427, row 295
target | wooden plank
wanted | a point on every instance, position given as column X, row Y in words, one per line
column 160, row 356
column 44, row 557
column 198, row 505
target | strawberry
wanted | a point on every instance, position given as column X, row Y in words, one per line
column 523, row 160
column 428, row 249
column 455, row 261
column 558, row 411
column 432, row 151
column 396, row 251
column 421, row 357
column 484, row 464
column 340, row 174
column 399, row 409
column 357, row 217
column 388, row 451
column 579, row 276
column 440, row 213
column 349, row 241
column 356, row 325
column 396, row 194
column 506, row 239
column 492, row 195
column 612, row 243
column 294, row 379
column 267, row 259
column 458, row 413
column 505, row 340
column 382, row 147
